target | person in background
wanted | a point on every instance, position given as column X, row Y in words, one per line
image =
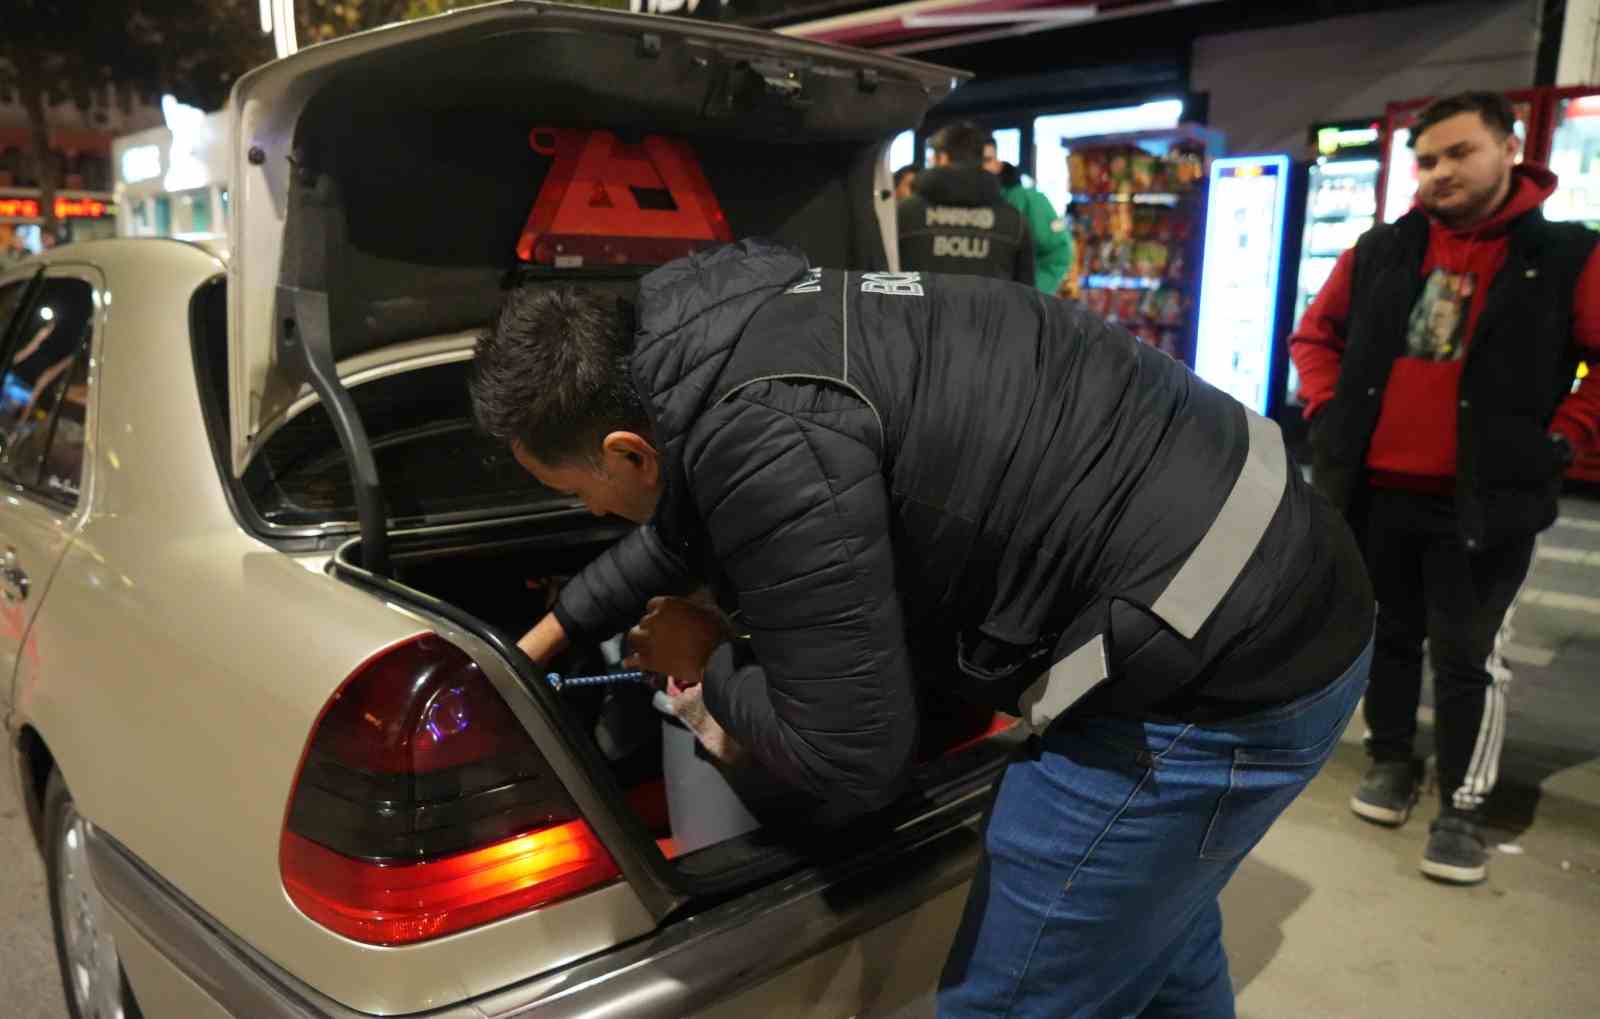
column 1437, row 370
column 956, row 220
column 1052, row 239
column 904, row 178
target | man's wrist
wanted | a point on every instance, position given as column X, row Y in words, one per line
column 546, row 640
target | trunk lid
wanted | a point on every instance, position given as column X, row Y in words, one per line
column 357, row 179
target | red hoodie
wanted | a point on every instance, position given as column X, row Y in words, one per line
column 1414, row 444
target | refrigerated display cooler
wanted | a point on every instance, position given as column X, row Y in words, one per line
column 1572, row 151
column 1341, row 205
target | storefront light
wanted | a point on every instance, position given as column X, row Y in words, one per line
column 901, row 150
column 185, row 169
column 141, row 163
column 1158, row 115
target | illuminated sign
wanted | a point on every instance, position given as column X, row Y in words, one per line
column 1331, row 141
column 79, row 208
column 1239, row 279
column 66, row 208
column 141, row 163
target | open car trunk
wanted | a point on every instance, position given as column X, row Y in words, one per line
column 494, row 579
column 383, row 189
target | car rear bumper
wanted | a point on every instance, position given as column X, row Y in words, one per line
column 686, row 967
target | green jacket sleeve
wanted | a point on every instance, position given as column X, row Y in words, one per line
column 1052, row 240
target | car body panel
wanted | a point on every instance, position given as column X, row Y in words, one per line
column 867, row 940
column 882, row 974
column 34, row 531
column 159, row 986
column 181, row 663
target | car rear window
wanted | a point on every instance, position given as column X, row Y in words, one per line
column 433, row 463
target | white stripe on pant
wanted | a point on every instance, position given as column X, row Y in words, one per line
column 1484, row 771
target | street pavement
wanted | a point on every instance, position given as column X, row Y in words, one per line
column 1329, row 917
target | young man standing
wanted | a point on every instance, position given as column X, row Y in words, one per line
column 1113, row 549
column 956, row 220
column 1052, row 240
column 1437, row 368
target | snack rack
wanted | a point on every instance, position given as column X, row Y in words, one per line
column 1138, row 215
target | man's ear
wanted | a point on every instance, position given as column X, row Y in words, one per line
column 632, row 448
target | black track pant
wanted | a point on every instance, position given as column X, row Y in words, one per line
column 1430, row 586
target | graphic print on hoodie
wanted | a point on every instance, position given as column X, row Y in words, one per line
column 1437, row 328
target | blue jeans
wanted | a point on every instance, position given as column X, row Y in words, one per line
column 1105, row 853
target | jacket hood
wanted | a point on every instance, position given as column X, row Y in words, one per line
column 958, row 185
column 691, row 315
column 1531, row 184
column 1010, row 176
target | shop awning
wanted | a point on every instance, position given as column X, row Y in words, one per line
column 933, row 24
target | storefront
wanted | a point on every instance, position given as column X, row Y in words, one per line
column 172, row 181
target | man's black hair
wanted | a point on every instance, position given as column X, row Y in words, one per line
column 552, row 375
column 902, row 173
column 962, row 142
column 1495, row 109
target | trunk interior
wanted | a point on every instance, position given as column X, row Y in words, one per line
column 504, row 576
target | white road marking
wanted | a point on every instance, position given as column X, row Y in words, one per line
column 1562, row 600
column 1575, row 556
column 1522, row 654
column 1578, row 523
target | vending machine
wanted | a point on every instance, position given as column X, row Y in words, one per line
column 1242, row 297
column 1341, row 200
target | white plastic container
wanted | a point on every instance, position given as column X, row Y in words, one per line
column 701, row 806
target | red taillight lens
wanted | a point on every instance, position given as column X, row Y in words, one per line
column 397, row 905
column 422, row 806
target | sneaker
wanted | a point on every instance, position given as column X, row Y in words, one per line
column 1388, row 792
column 1455, row 852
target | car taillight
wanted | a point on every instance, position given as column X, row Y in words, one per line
column 423, row 808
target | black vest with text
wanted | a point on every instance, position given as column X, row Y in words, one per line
column 958, row 222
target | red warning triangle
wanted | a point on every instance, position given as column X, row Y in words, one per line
column 605, row 202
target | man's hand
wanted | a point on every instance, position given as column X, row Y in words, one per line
column 1562, row 448
column 676, row 637
column 544, row 641
column 689, row 707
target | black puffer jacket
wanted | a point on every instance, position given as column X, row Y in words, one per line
column 955, row 453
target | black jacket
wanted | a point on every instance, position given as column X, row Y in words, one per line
column 1518, row 368
column 958, row 221
column 957, row 454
